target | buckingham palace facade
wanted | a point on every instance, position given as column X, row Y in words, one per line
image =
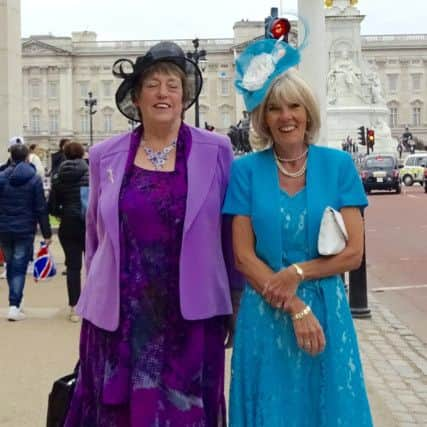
column 59, row 72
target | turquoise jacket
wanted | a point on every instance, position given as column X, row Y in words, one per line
column 332, row 180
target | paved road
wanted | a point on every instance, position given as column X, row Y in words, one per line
column 396, row 246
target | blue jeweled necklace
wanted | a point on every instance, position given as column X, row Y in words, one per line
column 158, row 158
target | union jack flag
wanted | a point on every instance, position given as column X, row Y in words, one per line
column 44, row 265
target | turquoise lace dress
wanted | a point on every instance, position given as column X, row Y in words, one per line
column 273, row 382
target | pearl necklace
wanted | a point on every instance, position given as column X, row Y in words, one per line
column 285, row 172
column 282, row 159
column 158, row 158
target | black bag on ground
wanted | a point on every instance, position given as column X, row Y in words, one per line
column 60, row 399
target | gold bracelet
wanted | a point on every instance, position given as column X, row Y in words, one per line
column 299, row 271
column 302, row 314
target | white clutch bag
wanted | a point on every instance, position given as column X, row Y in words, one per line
column 333, row 234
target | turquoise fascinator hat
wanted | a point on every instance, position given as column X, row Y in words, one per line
column 261, row 62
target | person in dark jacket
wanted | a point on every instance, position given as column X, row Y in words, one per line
column 22, row 206
column 58, row 157
column 67, row 201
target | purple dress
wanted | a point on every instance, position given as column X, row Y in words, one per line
column 157, row 369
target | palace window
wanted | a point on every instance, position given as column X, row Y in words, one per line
column 224, row 86
column 392, row 82
column 107, row 88
column 393, row 117
column 52, row 89
column 35, row 122
column 416, row 82
column 84, row 89
column 84, row 123
column 35, row 89
column 108, row 122
column 416, row 116
column 53, row 122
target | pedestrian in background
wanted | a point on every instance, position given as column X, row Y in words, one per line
column 159, row 263
column 295, row 359
column 67, row 202
column 35, row 160
column 12, row 141
column 58, row 157
column 22, row 207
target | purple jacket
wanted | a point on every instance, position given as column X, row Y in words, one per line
column 206, row 263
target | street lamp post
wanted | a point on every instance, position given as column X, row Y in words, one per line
column 198, row 56
column 91, row 103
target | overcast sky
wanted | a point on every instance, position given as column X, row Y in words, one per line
column 171, row 19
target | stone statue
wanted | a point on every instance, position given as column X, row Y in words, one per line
column 346, row 77
column 332, row 88
column 382, row 130
column 375, row 88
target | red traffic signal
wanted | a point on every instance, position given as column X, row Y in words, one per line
column 279, row 28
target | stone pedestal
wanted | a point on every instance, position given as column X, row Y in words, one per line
column 10, row 73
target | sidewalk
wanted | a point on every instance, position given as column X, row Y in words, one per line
column 395, row 365
column 38, row 350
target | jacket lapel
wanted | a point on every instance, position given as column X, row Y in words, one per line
column 267, row 178
column 201, row 166
column 316, row 188
column 112, row 170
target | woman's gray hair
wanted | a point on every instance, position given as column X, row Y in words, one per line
column 288, row 88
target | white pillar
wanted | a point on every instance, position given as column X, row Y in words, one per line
column 66, row 97
column 313, row 66
column 10, row 73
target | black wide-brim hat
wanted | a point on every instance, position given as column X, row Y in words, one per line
column 130, row 73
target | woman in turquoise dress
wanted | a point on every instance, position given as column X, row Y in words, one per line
column 295, row 360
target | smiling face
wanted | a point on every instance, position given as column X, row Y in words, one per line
column 287, row 123
column 289, row 114
column 160, row 95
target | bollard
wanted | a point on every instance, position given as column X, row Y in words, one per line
column 358, row 294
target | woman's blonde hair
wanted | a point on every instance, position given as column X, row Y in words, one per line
column 288, row 88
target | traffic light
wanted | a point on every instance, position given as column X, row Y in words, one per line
column 361, row 135
column 371, row 137
column 275, row 27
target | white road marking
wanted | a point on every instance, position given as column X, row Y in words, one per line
column 373, row 230
column 398, row 288
column 404, row 259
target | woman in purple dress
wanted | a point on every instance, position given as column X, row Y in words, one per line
column 159, row 272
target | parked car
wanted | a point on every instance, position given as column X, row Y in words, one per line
column 425, row 180
column 413, row 169
column 380, row 172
